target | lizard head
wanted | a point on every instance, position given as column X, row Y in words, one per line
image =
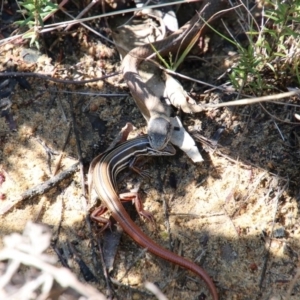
column 159, row 132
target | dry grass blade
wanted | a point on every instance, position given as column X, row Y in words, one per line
column 28, row 249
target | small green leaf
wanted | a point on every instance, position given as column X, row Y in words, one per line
column 29, row 6
column 270, row 67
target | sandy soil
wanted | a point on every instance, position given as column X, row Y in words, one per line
column 236, row 214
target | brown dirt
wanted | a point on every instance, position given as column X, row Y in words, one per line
column 237, row 213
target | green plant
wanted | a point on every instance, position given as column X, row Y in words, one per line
column 174, row 64
column 34, row 12
column 272, row 58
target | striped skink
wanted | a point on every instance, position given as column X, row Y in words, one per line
column 105, row 168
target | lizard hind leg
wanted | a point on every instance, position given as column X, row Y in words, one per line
column 135, row 198
column 96, row 216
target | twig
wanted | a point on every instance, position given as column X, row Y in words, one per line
column 62, row 150
column 255, row 100
column 29, row 249
column 92, row 30
column 95, row 262
column 135, row 260
column 87, row 93
column 64, row 81
column 106, row 275
column 265, row 265
column 276, row 118
column 57, row 26
column 247, row 101
column 39, row 189
column 281, row 134
column 39, row 210
column 86, row 9
column 50, row 152
column 79, row 152
column 293, row 283
column 146, row 294
column 31, row 285
column 63, row 276
column 11, row 270
column 155, row 290
column 85, row 270
column 167, row 219
column 61, row 258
